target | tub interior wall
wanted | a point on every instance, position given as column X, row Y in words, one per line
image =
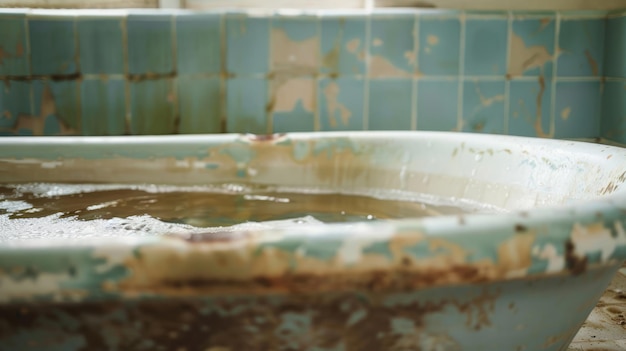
column 558, row 74
column 505, row 174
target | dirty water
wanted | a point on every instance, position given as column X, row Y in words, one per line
column 38, row 210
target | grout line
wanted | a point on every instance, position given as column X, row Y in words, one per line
column 459, row 113
column 79, row 115
column 127, row 118
column 414, row 87
column 174, row 80
column 223, row 108
column 269, row 115
column 507, row 83
column 31, row 91
column 366, row 83
column 557, row 30
column 316, row 81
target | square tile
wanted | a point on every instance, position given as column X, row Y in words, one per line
column 198, row 43
column 439, row 46
column 52, row 46
column 392, row 46
column 343, row 45
column 14, row 60
column 150, row 44
column 246, row 105
column 247, row 43
column 103, row 106
column 151, row 107
column 295, row 44
column 437, row 104
column 341, row 103
column 101, row 45
column 199, row 104
column 577, row 110
column 532, row 47
column 14, row 102
column 485, row 47
column 390, row 104
column 530, row 108
column 615, row 57
column 483, row 106
column 582, row 48
column 292, row 104
column 614, row 111
column 55, row 108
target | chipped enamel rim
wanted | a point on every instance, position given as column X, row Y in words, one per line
column 563, row 238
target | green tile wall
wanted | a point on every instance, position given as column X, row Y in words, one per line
column 548, row 74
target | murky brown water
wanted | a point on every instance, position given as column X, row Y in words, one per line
column 71, row 210
column 207, row 207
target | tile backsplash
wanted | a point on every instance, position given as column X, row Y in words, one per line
column 112, row 72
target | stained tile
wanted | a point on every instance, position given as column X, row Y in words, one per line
column 295, row 44
column 101, row 45
column 437, row 107
column 150, row 44
column 247, row 42
column 485, row 47
column 55, row 108
column 151, row 107
column 343, row 45
column 532, row 47
column 341, row 103
column 483, row 106
column 390, row 104
column 199, row 103
column 582, row 47
column 577, row 110
column 198, row 43
column 529, row 108
column 439, row 46
column 13, row 55
column 614, row 111
column 392, row 47
column 293, row 104
column 52, row 45
column 246, row 104
column 14, row 102
column 615, row 58
column 103, row 106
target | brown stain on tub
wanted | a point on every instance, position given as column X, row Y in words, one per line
column 515, row 254
column 352, row 321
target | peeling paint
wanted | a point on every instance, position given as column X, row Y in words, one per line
column 524, row 58
column 382, row 67
column 293, row 55
column 287, row 93
column 337, row 112
column 565, row 113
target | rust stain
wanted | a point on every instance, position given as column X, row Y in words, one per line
column 592, row 63
column 19, row 50
column 251, row 323
column 538, row 127
column 3, row 55
column 565, row 113
column 573, row 262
